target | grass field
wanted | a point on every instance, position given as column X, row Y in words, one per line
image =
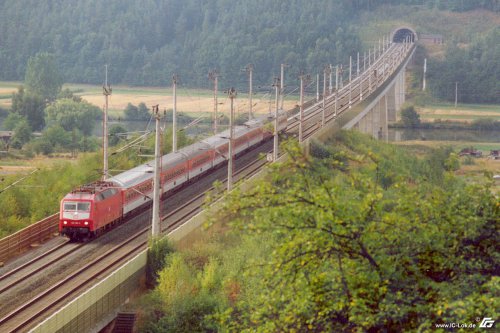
column 463, row 112
column 196, row 101
column 485, row 147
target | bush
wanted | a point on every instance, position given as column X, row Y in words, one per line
column 157, row 258
column 114, row 132
column 410, row 117
column 12, row 120
column 42, row 146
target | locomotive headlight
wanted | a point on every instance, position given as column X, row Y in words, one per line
column 65, row 222
column 86, row 222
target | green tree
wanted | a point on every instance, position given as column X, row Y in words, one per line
column 12, row 120
column 42, row 146
column 159, row 249
column 31, row 106
column 143, row 111
column 42, row 76
column 74, row 117
column 410, row 117
column 71, row 115
column 22, row 134
column 114, row 134
column 131, row 112
column 336, row 264
column 66, row 93
column 140, row 112
column 57, row 136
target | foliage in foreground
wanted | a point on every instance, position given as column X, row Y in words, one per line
column 361, row 238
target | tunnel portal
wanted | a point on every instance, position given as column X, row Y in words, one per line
column 399, row 35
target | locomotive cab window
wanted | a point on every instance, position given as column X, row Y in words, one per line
column 70, row 206
column 77, row 206
column 84, row 206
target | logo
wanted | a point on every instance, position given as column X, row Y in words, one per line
column 486, row 323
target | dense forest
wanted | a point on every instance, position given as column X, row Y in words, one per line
column 145, row 42
column 475, row 70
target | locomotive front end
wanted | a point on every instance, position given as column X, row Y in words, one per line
column 75, row 219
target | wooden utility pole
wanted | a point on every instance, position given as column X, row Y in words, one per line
column 249, row 70
column 155, row 223
column 174, row 113
column 232, row 96
column 214, row 75
column 106, row 91
column 456, row 94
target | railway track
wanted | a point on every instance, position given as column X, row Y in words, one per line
column 22, row 317
column 34, row 309
column 346, row 97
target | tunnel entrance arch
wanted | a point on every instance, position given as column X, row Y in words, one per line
column 400, row 34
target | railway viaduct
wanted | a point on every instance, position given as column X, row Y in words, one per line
column 368, row 102
column 385, row 105
column 377, row 93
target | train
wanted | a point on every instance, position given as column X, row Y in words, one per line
column 92, row 209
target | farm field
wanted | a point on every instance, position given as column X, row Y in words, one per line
column 485, row 147
column 195, row 101
column 462, row 113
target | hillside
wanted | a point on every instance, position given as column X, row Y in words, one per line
column 145, row 42
column 312, row 247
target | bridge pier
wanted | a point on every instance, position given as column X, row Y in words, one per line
column 400, row 91
column 391, row 105
column 375, row 122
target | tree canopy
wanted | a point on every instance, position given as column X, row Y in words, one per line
column 145, row 43
column 71, row 115
column 474, row 71
column 30, row 106
column 409, row 116
column 42, row 76
column 359, row 237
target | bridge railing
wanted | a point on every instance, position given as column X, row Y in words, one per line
column 25, row 238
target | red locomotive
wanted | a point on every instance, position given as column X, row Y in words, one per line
column 89, row 210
